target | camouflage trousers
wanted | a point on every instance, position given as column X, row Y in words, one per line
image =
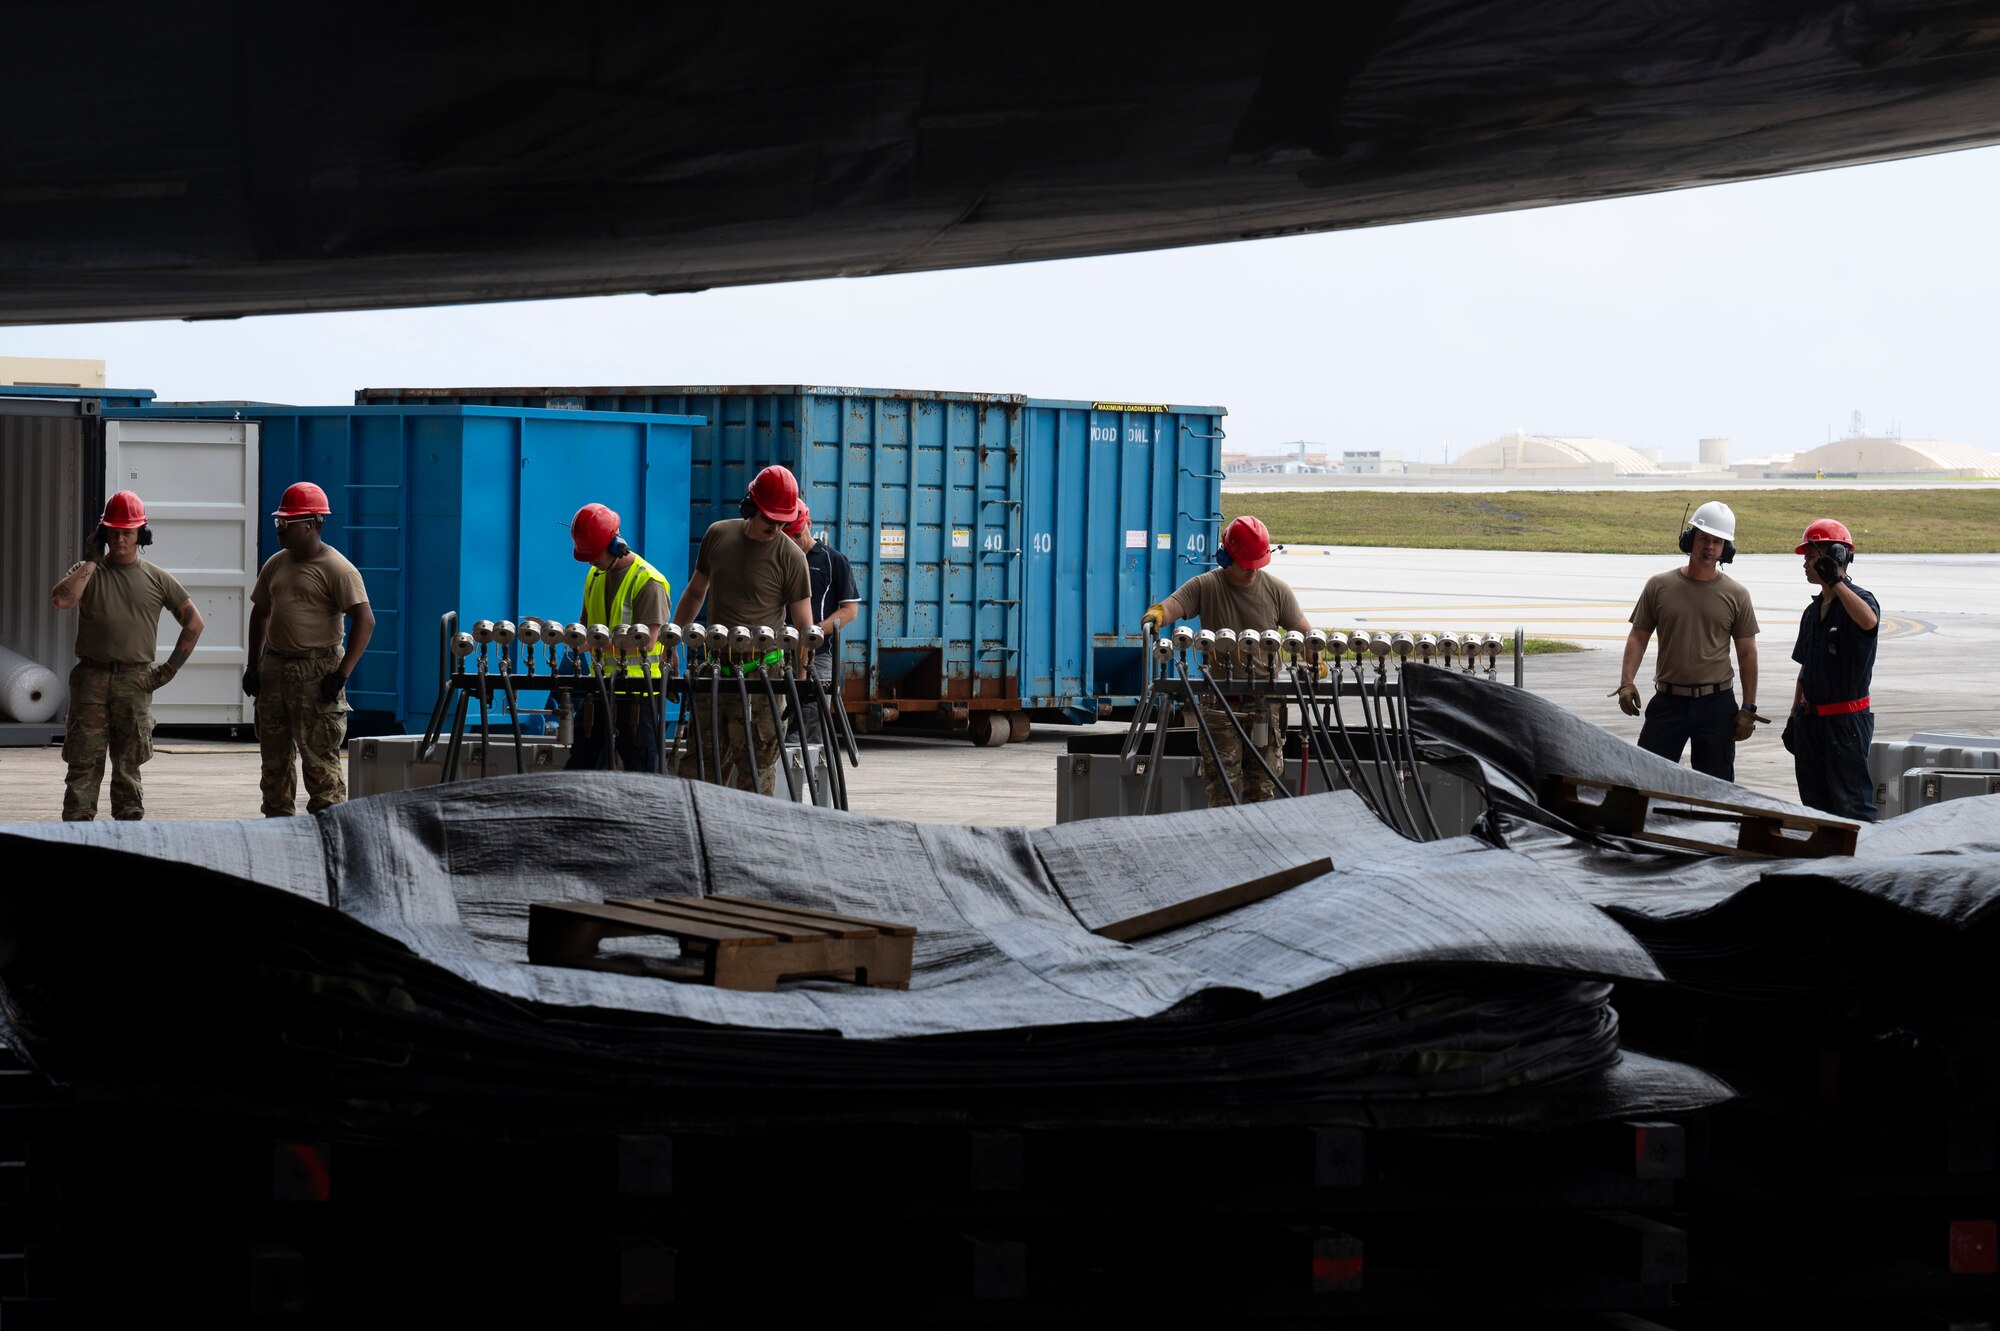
column 292, row 719
column 110, row 718
column 735, row 741
column 1252, row 786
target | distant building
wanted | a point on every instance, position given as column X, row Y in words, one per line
column 1871, row 455
column 1369, row 462
column 1545, row 456
column 50, row 372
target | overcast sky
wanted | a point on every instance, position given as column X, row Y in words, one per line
column 1766, row 312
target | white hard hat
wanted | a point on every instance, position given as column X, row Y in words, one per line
column 1716, row 519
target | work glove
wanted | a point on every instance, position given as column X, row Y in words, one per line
column 250, row 679
column 1785, row 735
column 1156, row 615
column 330, row 687
column 1747, row 722
column 163, row 675
column 1628, row 700
column 1828, row 571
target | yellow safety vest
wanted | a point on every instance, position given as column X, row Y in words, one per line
column 594, row 609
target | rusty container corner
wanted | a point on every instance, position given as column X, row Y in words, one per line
column 1005, row 547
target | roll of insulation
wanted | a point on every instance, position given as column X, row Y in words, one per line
column 28, row 692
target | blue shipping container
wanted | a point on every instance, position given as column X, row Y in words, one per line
column 467, row 509
column 108, row 398
column 1005, row 547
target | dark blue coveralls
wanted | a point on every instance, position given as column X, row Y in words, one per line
column 1830, row 749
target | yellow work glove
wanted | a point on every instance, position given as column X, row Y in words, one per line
column 1156, row 615
column 1747, row 721
column 1628, row 699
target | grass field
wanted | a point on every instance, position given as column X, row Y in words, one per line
column 1599, row 522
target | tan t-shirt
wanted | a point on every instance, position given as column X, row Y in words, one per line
column 1696, row 621
column 1267, row 603
column 307, row 598
column 751, row 583
column 118, row 617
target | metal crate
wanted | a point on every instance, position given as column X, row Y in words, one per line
column 1889, row 759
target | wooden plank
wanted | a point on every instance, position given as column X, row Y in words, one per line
column 808, row 913
column 1210, row 904
column 641, row 916
column 759, row 917
column 1626, row 810
column 673, row 913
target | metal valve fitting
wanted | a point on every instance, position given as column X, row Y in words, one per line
column 503, row 633
column 482, row 632
column 600, row 638
column 462, row 645
column 577, row 636
column 1183, row 638
column 1402, row 644
column 531, row 631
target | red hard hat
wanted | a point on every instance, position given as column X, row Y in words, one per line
column 775, row 492
column 591, row 530
column 1248, row 542
column 1824, row 529
column 302, row 499
column 798, row 525
column 124, row 511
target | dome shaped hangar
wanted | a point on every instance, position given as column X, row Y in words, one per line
column 1898, row 457
column 1569, row 455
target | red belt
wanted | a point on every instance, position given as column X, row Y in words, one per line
column 1841, row 708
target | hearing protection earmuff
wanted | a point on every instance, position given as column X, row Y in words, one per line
column 1840, row 552
column 145, row 535
column 618, row 549
column 746, row 508
column 1687, row 543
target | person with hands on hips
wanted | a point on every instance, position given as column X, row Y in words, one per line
column 1699, row 611
column 298, row 668
column 1831, row 726
column 118, row 598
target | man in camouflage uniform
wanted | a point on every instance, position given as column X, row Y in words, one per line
column 298, row 667
column 118, row 597
column 1241, row 597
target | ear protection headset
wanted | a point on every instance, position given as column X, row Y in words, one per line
column 1840, row 552
column 618, row 549
column 145, row 534
column 746, row 507
column 1687, row 543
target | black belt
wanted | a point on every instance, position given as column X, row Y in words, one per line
column 1690, row 690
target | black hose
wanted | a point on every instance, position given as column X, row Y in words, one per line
column 1309, row 736
column 771, row 698
column 715, row 720
column 450, row 772
column 485, row 713
column 830, row 730
column 1410, row 750
column 1277, row 780
column 749, row 735
column 513, row 714
column 1365, row 784
column 805, row 749
column 1164, row 709
column 1378, row 737
column 1214, row 754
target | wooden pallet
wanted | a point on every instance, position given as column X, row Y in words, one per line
column 727, row 941
column 1760, row 833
